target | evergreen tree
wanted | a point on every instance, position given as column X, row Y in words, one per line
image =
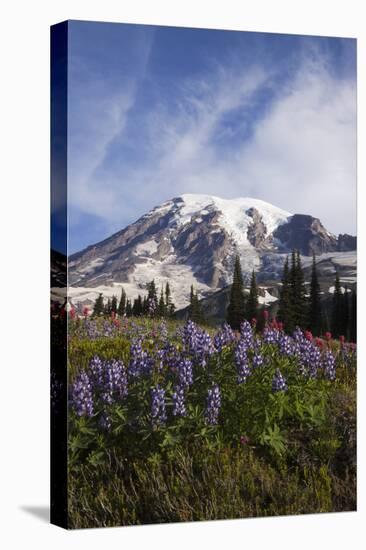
column 167, row 295
column 195, row 308
column 252, row 302
column 162, row 306
column 152, row 298
column 337, row 325
column 171, row 310
column 315, row 309
column 108, row 307
column 98, row 306
column 285, row 313
column 236, row 308
column 128, row 308
column 191, row 296
column 298, row 300
column 353, row 317
column 114, row 304
column 345, row 315
column 122, row 304
column 137, row 306
column 169, row 305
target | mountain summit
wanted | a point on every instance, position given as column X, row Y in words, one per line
column 193, row 239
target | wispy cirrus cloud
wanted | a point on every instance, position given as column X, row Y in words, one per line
column 235, row 130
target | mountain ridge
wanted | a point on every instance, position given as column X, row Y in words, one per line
column 193, row 239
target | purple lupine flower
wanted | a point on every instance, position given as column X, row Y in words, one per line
column 310, row 359
column 115, row 381
column 179, row 407
column 109, row 329
column 223, row 337
column 278, row 382
column 329, row 365
column 307, row 353
column 285, row 345
column 82, row 396
column 96, row 370
column 158, row 414
column 190, row 336
column 140, row 361
column 213, row 405
column 298, row 335
column 270, row 335
column 257, row 360
column 171, row 356
column 160, row 355
column 242, row 362
column 91, row 329
column 185, row 374
column 246, row 334
column 205, row 348
column 197, row 342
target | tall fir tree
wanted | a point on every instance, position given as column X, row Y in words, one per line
column 236, row 308
column 98, row 306
column 298, row 307
column 152, row 299
column 128, row 308
column 285, row 314
column 167, row 295
column 161, row 306
column 114, row 304
column 315, row 309
column 195, row 308
column 252, row 302
column 337, row 324
column 353, row 317
column 169, row 305
column 108, row 307
column 137, row 306
column 345, row 315
column 122, row 303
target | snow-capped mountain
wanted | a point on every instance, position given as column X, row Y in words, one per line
column 193, row 239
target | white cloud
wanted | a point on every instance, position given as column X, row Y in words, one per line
column 301, row 155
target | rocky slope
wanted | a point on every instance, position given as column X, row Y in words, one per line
column 193, row 239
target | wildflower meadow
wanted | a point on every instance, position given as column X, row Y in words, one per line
column 175, row 421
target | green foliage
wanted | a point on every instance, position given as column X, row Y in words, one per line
column 315, row 308
column 271, row 453
column 236, row 307
column 114, row 304
column 284, row 308
column 195, row 308
column 98, row 306
column 337, row 309
column 122, row 303
column 252, row 302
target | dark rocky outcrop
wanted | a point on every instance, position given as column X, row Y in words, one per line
column 306, row 234
column 346, row 243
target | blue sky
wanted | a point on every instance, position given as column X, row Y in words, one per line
column 155, row 112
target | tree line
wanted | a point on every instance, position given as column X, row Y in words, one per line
column 151, row 304
column 296, row 307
